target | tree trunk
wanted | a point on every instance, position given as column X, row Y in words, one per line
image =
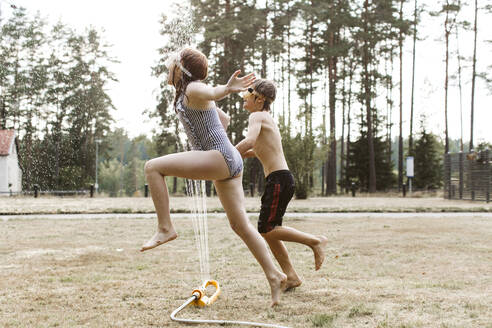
column 283, row 88
column 473, row 74
column 288, row 73
column 332, row 155
column 324, row 141
column 349, row 105
column 177, row 149
column 310, row 112
column 400, row 138
column 459, row 87
column 388, row 103
column 410, row 137
column 390, row 126
column 265, row 42
column 367, row 90
column 342, row 145
column 323, row 178
column 446, row 142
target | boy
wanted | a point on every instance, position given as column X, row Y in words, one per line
column 263, row 141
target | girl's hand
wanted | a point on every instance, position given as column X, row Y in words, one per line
column 239, row 84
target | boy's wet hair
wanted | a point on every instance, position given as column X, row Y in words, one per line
column 267, row 89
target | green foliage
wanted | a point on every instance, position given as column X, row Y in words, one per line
column 427, row 161
column 122, row 165
column 298, row 152
column 56, row 80
column 111, row 177
column 358, row 163
column 483, row 145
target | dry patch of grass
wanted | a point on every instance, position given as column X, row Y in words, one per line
column 378, row 273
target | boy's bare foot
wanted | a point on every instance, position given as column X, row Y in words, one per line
column 277, row 284
column 319, row 253
column 159, row 238
column 290, row 284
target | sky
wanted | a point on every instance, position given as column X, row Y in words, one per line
column 133, row 30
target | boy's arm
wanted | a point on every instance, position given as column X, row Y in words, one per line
column 224, row 118
column 249, row 153
column 235, row 84
column 254, row 128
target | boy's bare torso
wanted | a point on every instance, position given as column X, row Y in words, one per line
column 268, row 146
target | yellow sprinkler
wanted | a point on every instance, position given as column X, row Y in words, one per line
column 202, row 299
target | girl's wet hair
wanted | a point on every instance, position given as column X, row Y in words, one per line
column 267, row 89
column 196, row 64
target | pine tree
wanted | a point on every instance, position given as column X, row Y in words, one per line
column 427, row 161
column 376, row 25
column 336, row 15
column 358, row 160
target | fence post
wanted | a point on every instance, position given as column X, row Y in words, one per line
column 461, row 159
column 353, row 189
column 489, row 173
column 146, row 190
column 91, row 191
column 36, row 191
column 447, row 167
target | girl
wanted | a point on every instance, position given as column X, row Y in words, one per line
column 213, row 157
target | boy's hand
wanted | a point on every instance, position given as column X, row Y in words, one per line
column 239, row 84
column 248, row 154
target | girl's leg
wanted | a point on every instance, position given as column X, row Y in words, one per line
column 197, row 165
column 316, row 243
column 280, row 252
column 231, row 195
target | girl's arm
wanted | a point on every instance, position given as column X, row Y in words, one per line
column 235, row 84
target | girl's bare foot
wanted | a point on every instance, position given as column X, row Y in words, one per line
column 319, row 253
column 160, row 237
column 277, row 284
column 290, row 284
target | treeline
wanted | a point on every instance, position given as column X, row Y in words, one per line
column 121, row 170
column 52, row 88
column 329, row 59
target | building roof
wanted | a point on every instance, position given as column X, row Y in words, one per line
column 6, row 140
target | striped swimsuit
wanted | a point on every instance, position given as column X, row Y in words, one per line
column 205, row 132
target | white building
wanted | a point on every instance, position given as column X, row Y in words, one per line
column 10, row 171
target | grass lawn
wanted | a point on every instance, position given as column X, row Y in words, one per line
column 382, row 272
column 361, row 203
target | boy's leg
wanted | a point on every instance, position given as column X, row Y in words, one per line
column 231, row 196
column 198, row 165
column 280, row 252
column 316, row 243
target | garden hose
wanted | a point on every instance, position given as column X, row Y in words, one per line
column 199, row 298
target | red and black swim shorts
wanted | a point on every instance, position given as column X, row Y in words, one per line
column 279, row 190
